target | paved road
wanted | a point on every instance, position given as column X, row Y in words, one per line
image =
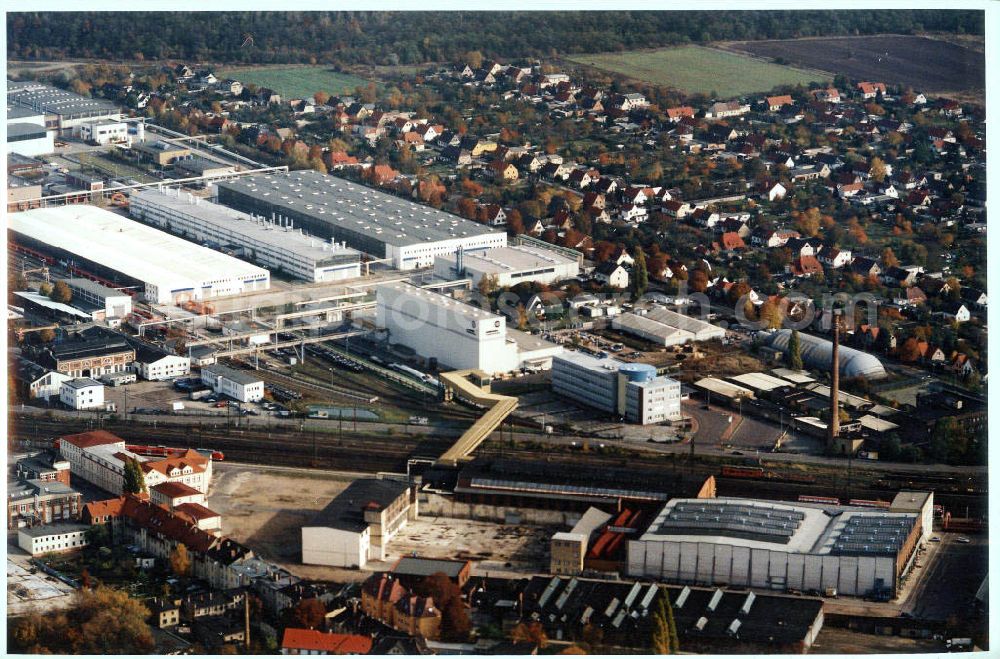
column 952, row 578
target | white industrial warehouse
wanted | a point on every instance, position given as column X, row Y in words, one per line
column 275, row 245
column 64, row 111
column 665, row 327
column 780, row 546
column 26, row 132
column 452, row 332
column 509, row 265
column 817, row 353
column 172, row 270
column 405, row 233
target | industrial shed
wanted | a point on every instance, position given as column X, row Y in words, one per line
column 778, row 546
column 665, row 327
column 726, row 390
column 407, row 234
column 817, row 353
column 171, row 269
column 761, row 382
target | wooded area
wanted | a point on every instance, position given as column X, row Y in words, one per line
column 392, row 38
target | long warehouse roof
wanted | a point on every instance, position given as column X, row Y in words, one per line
column 354, row 207
column 131, row 248
column 39, row 96
column 260, row 232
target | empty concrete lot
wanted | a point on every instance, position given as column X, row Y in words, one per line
column 27, row 591
column 493, row 546
column 266, row 508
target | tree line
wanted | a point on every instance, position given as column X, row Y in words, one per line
column 392, row 38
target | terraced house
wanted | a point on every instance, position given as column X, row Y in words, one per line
column 134, row 519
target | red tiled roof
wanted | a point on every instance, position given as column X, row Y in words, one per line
column 92, row 438
column 106, row 508
column 196, row 460
column 174, row 490
column 779, row 100
column 311, row 639
column 162, row 521
column 195, row 511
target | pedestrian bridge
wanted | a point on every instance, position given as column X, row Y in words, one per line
column 473, row 387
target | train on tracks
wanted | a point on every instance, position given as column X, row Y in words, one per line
column 759, row 473
column 168, row 451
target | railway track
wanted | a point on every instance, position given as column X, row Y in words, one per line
column 354, row 452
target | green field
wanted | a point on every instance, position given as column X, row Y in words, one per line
column 694, row 69
column 296, row 81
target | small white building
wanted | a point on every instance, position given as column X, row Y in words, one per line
column 51, row 538
column 82, row 394
column 239, row 385
column 155, row 364
column 612, row 274
column 509, row 265
column 40, row 381
column 358, row 524
column 106, row 132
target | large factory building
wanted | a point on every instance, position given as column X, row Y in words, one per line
column 409, row 235
column 64, row 112
column 780, row 546
column 171, row 270
column 632, row 391
column 271, row 244
column 439, row 327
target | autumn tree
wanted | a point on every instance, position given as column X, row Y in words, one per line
column 877, row 170
column 530, row 632
column 467, row 208
column 308, row 614
column 104, row 621
column 134, row 481
column 909, row 352
column 455, row 623
column 808, row 222
column 640, row 276
column 320, row 98
column 61, row 293
column 180, row 559
column 487, row 285
column 46, row 336
column 889, row 259
column 738, row 290
column 474, row 59
column 771, row 314
column 470, row 188
column 514, row 222
column 45, row 289
column 665, row 639
column 794, row 351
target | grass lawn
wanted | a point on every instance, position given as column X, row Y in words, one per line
column 696, row 69
column 296, row 81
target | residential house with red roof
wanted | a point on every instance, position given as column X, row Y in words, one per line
column 156, row 530
column 312, row 641
column 99, row 457
column 871, row 89
column 777, row 102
